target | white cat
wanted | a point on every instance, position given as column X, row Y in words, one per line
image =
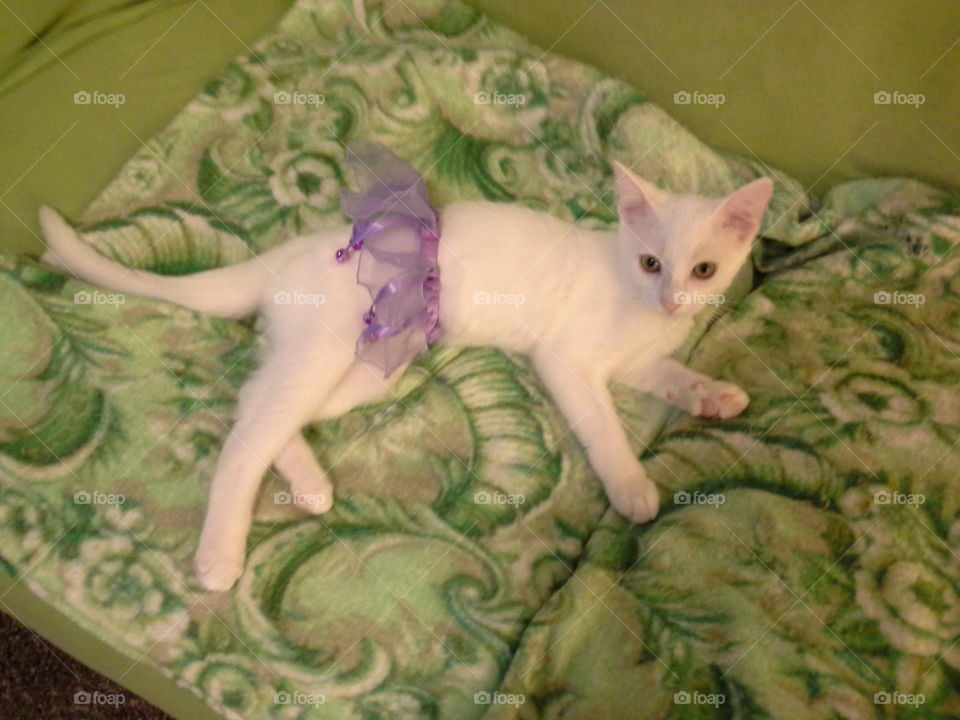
column 596, row 307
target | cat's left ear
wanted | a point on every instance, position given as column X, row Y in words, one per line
column 742, row 211
column 637, row 199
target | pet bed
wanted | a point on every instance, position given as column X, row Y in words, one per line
column 805, row 562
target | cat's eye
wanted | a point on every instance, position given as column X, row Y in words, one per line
column 649, row 263
column 704, row 269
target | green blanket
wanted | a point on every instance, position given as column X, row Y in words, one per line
column 806, row 560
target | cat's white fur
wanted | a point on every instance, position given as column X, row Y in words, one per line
column 577, row 302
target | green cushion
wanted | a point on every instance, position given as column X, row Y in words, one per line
column 799, row 78
column 798, row 82
column 157, row 54
column 432, row 597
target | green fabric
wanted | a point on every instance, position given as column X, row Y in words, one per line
column 806, row 563
column 470, row 536
column 798, row 78
column 818, row 59
column 156, row 53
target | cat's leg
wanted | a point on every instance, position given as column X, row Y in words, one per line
column 281, row 396
column 585, row 401
column 310, row 487
column 689, row 390
column 362, row 384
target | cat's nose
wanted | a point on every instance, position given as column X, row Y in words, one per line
column 669, row 304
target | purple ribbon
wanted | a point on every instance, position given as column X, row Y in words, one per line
column 397, row 231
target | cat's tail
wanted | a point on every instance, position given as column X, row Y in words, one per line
column 232, row 291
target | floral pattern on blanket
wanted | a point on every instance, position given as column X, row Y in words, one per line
column 807, row 562
column 807, row 555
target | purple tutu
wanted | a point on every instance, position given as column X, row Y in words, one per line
column 396, row 231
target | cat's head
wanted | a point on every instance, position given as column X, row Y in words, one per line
column 680, row 252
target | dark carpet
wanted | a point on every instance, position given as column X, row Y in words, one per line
column 38, row 682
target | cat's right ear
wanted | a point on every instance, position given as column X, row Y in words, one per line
column 742, row 211
column 637, row 199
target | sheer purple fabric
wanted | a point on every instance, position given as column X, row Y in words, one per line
column 397, row 234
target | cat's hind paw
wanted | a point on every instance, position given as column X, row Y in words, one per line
column 315, row 500
column 718, row 400
column 310, row 490
column 218, row 566
column 637, row 498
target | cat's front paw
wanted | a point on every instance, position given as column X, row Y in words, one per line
column 717, row 399
column 636, row 497
column 219, row 563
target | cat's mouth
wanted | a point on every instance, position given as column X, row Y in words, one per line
column 677, row 310
column 676, row 304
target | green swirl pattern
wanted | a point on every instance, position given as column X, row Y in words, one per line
column 807, row 560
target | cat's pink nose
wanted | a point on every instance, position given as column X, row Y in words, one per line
column 669, row 304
